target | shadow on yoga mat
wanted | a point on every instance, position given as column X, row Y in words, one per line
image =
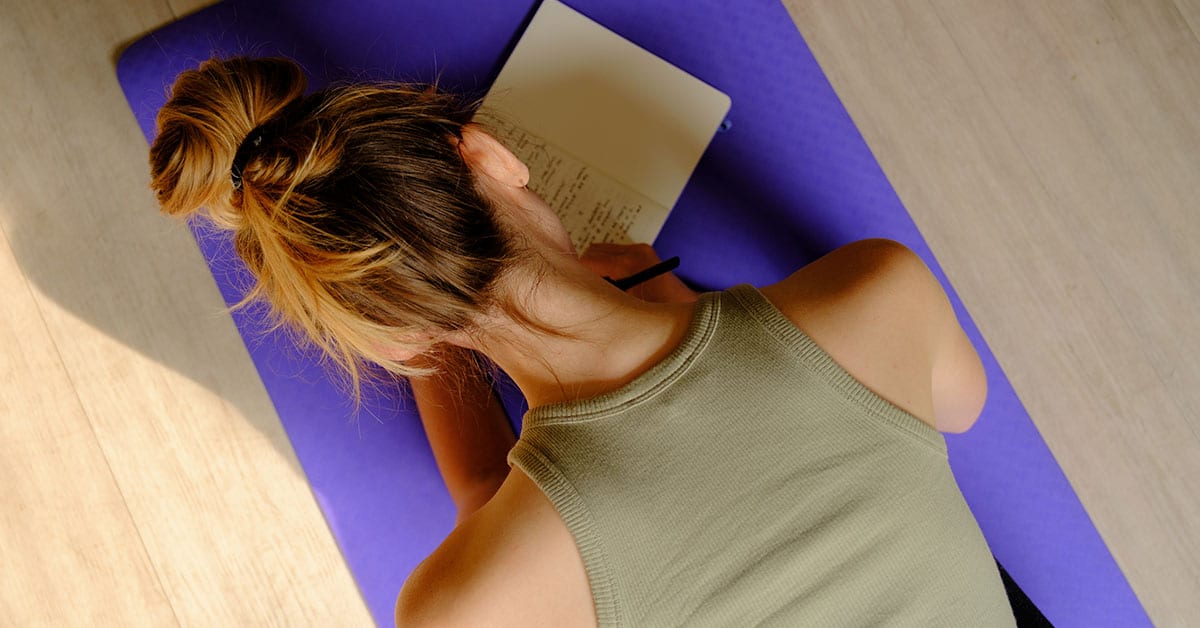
column 789, row 180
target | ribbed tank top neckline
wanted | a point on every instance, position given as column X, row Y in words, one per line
column 643, row 387
column 700, row 332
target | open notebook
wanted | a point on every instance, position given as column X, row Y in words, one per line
column 611, row 133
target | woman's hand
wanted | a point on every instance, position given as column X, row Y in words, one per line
column 622, row 260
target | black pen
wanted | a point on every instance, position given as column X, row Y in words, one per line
column 660, row 268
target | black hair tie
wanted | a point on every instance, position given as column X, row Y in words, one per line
column 293, row 110
column 252, row 141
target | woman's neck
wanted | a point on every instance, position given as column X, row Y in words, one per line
column 608, row 337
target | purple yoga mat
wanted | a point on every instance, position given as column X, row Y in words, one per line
column 789, row 180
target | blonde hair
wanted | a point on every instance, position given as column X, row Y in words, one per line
column 356, row 213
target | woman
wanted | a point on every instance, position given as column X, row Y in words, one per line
column 746, row 457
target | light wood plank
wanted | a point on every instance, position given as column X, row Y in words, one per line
column 1050, row 178
column 65, row 533
column 227, row 519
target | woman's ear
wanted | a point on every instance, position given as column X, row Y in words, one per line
column 486, row 155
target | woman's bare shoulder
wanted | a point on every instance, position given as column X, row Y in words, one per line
column 877, row 310
column 511, row 563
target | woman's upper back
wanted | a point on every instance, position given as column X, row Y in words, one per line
column 528, row 555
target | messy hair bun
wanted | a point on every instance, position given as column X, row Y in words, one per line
column 210, row 113
column 355, row 211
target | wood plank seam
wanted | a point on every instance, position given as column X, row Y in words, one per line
column 37, row 304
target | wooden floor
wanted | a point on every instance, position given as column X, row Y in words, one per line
column 1049, row 151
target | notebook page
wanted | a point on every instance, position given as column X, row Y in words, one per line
column 592, row 206
column 609, row 104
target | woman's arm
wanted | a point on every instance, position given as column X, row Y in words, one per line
column 467, row 429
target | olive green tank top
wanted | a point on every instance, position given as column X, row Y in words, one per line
column 747, row 479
